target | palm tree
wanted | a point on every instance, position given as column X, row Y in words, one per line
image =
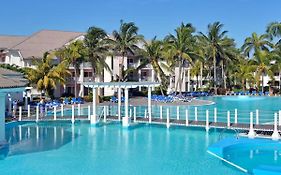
column 256, row 43
column 182, row 49
column 196, row 71
column 125, row 43
column 74, row 55
column 261, row 61
column 274, row 30
column 260, row 47
column 97, row 50
column 152, row 53
column 218, row 48
column 244, row 72
column 46, row 75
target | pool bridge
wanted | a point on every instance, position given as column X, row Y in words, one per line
column 105, row 115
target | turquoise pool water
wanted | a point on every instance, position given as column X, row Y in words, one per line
column 267, row 106
column 254, row 155
column 61, row 148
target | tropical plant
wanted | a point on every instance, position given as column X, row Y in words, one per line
column 46, row 75
column 260, row 48
column 274, row 30
column 182, row 50
column 125, row 43
column 97, row 50
column 244, row 73
column 152, row 53
column 74, row 55
column 218, row 48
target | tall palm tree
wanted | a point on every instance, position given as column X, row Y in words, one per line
column 182, row 49
column 97, row 50
column 260, row 47
column 256, row 43
column 244, row 73
column 261, row 61
column 46, row 75
column 152, row 53
column 274, row 30
column 218, row 48
column 74, row 55
column 196, row 71
column 125, row 43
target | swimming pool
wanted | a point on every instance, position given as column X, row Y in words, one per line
column 61, row 148
column 266, row 107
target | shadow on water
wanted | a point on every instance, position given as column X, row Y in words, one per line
column 31, row 138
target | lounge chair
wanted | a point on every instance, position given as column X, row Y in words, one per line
column 114, row 99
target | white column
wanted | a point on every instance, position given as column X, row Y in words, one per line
column 188, row 79
column 94, row 116
column 228, row 119
column 207, row 121
column 235, row 116
column 139, row 74
column 104, row 114
column 28, row 111
column 195, row 114
column 125, row 120
column 20, row 113
column 178, row 112
column 168, row 118
column 161, row 112
column 130, row 113
column 119, row 104
column 2, row 116
column 215, row 115
column 79, row 109
column 72, row 114
column 37, row 113
column 149, row 104
column 89, row 112
column 257, row 117
column 251, row 133
column 135, row 114
column 153, row 78
column 279, row 120
column 61, row 110
column 275, row 135
column 145, row 113
column 186, row 118
column 55, row 113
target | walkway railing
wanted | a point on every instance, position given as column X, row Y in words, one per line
column 258, row 120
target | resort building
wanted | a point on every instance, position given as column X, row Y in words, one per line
column 22, row 51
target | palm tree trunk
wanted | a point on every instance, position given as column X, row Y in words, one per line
column 201, row 75
column 179, row 84
column 262, row 82
column 197, row 83
column 215, row 75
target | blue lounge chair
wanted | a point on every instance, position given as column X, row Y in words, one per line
column 80, row 100
column 114, row 99
column 66, row 101
column 73, row 101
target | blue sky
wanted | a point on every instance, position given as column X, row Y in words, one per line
column 154, row 17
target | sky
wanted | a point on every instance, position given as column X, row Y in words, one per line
column 153, row 17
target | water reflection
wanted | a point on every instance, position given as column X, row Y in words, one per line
column 25, row 139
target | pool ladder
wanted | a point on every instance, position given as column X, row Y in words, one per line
column 223, row 131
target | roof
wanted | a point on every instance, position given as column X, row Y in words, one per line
column 11, row 79
column 10, row 41
column 45, row 40
column 121, row 84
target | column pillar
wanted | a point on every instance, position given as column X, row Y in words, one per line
column 125, row 120
column 119, row 104
column 94, row 117
column 2, row 117
column 188, row 79
column 149, row 103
